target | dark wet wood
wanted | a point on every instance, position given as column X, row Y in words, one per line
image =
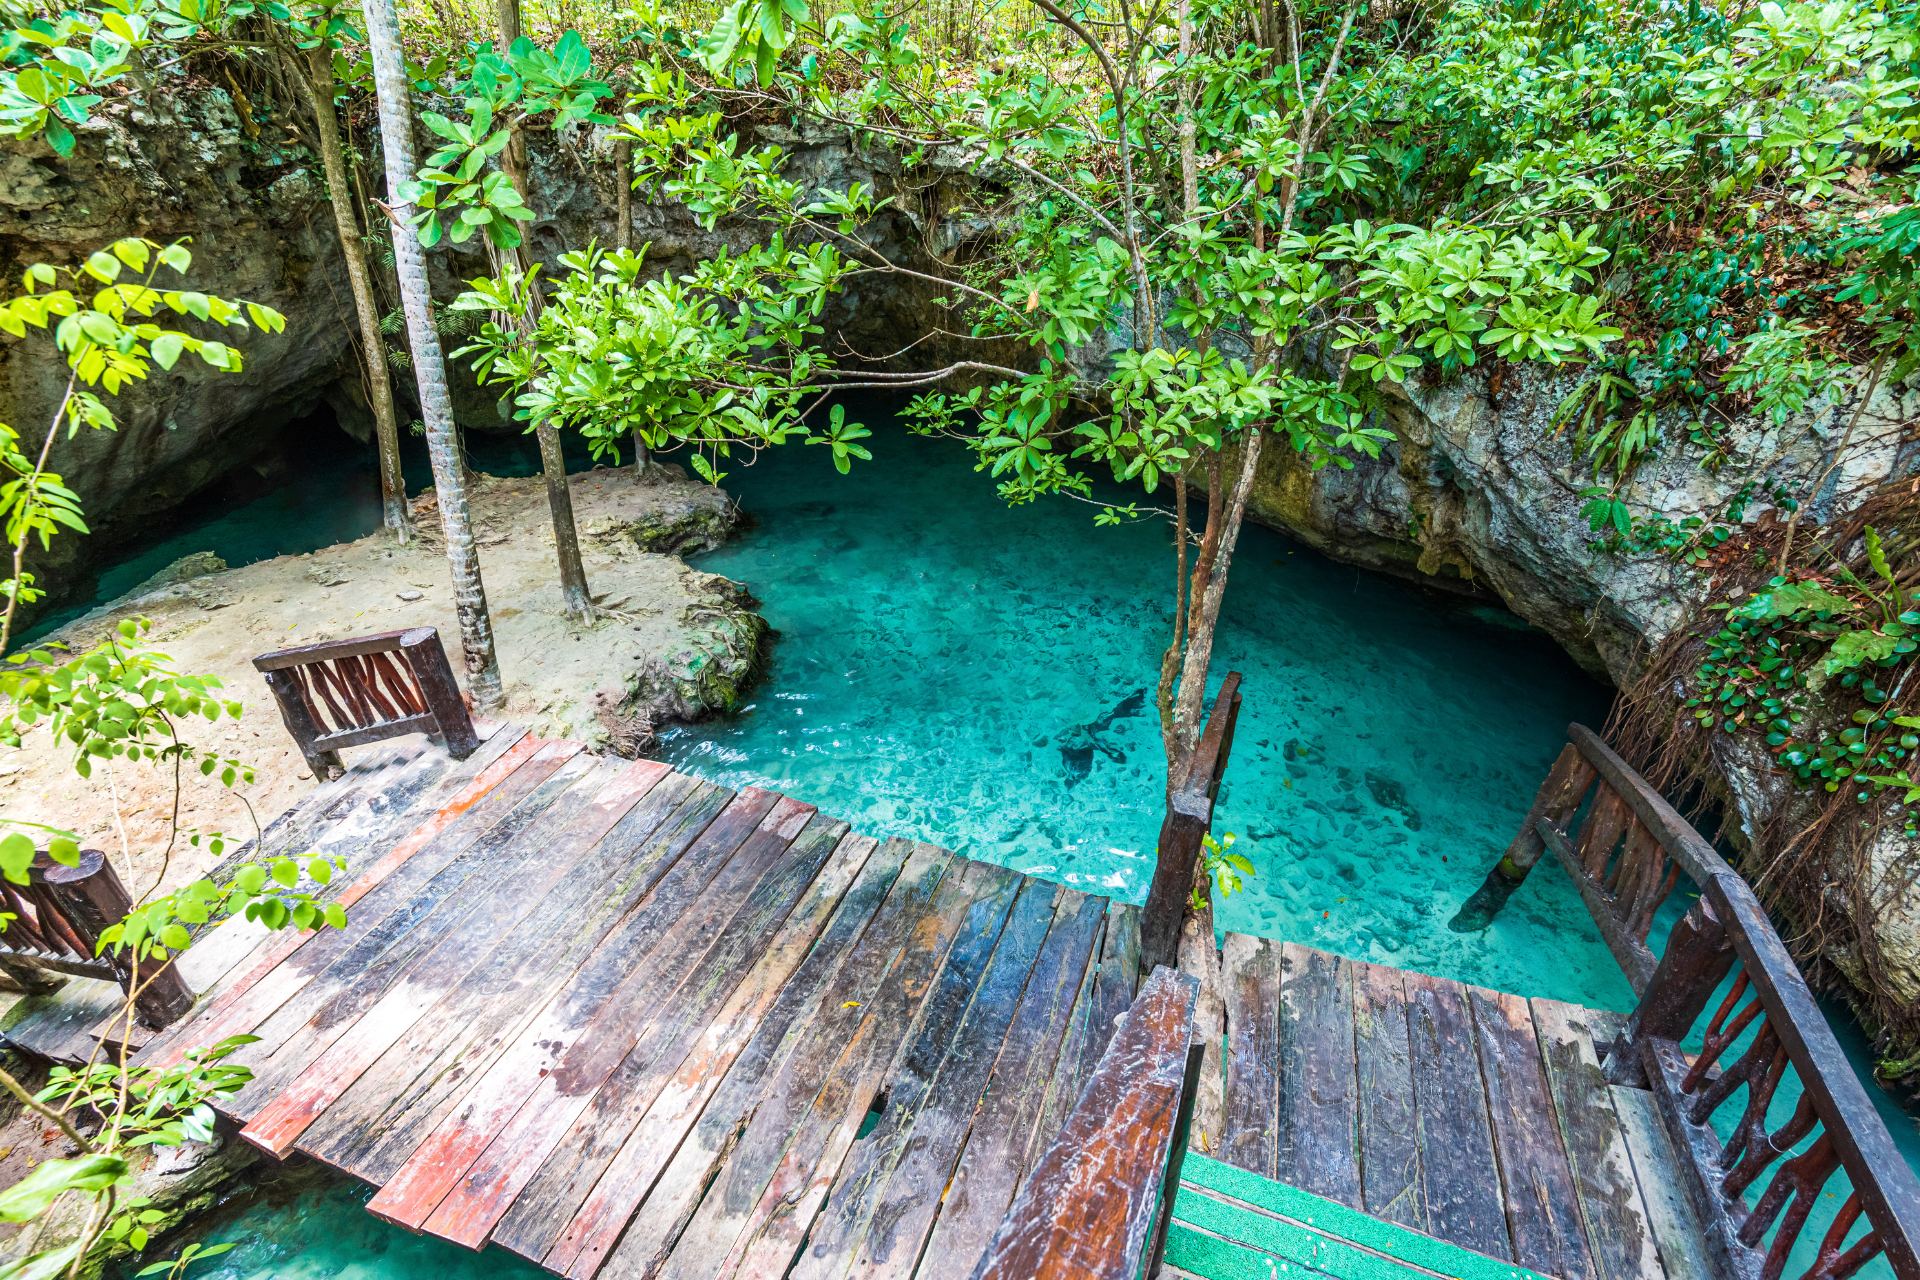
column 781, row 989
column 820, row 1007
column 1317, row 1147
column 367, row 695
column 1006, row 1129
column 438, row 970
column 1189, row 817
column 639, row 962
column 534, row 1215
column 1091, row 1206
column 1250, row 981
column 1389, row 1138
column 1618, row 1232
column 893, row 1180
column 1543, row 1210
column 408, row 1091
column 1463, row 1204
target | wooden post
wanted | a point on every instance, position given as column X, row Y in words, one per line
column 1557, row 800
column 301, row 724
column 94, row 899
column 1697, row 957
column 1189, row 818
column 424, row 654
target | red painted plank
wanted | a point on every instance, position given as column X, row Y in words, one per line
column 284, row 1119
column 596, row 1227
column 482, row 1197
column 450, row 1150
column 248, row 1001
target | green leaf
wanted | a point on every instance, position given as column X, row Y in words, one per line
column 1856, row 647
column 64, row 852
column 37, row 1190
column 287, row 872
column 16, row 856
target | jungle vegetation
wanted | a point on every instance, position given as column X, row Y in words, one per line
column 1214, row 229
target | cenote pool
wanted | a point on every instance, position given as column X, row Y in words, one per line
column 952, row 670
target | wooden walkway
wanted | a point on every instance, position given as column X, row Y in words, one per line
column 626, row 1023
column 623, row 1022
column 1471, row 1115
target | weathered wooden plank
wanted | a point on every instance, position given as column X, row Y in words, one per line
column 1619, row 1234
column 1543, row 1210
column 782, row 987
column 574, row 1019
column 1389, row 1136
column 1461, row 1194
column 413, row 910
column 543, row 1201
column 268, row 980
column 1089, row 1208
column 373, row 1128
column 286, row 1117
column 1094, row 1019
column 907, row 1213
column 1677, row 1235
column 1250, row 978
column 835, row 1069
column 1319, row 1113
column 821, row 1002
column 943, row 1068
column 790, row 1205
column 1004, row 1132
column 224, row 951
column 1063, row 1084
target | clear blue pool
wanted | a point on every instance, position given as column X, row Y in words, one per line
column 956, row 671
column 953, row 670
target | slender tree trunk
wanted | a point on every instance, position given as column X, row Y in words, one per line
column 318, row 84
column 1203, row 613
column 623, row 239
column 575, row 596
column 430, row 374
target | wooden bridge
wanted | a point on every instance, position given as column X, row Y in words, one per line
column 624, row 1022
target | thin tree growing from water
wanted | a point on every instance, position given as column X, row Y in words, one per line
column 429, row 369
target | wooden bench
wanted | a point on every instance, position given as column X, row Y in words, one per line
column 367, row 695
column 58, row 917
column 1095, row 1206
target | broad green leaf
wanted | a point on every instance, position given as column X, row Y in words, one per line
column 38, row 1189
column 1856, row 647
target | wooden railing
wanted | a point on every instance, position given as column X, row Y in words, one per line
column 57, row 920
column 1096, row 1205
column 1626, row 848
column 1189, row 817
column 367, row 694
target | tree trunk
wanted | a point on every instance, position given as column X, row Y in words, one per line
column 1203, row 614
column 623, row 225
column 318, row 84
column 430, row 374
column 574, row 594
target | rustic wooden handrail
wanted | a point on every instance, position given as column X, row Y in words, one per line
column 1095, row 1206
column 58, row 917
column 367, row 695
column 1626, row 849
column 1189, row 818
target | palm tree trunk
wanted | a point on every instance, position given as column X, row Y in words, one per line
column 430, row 373
column 318, row 86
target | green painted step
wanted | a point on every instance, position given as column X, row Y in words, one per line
column 1229, row 1224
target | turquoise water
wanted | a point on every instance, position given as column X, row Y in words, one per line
column 955, row 671
column 309, row 1224
column 244, row 520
